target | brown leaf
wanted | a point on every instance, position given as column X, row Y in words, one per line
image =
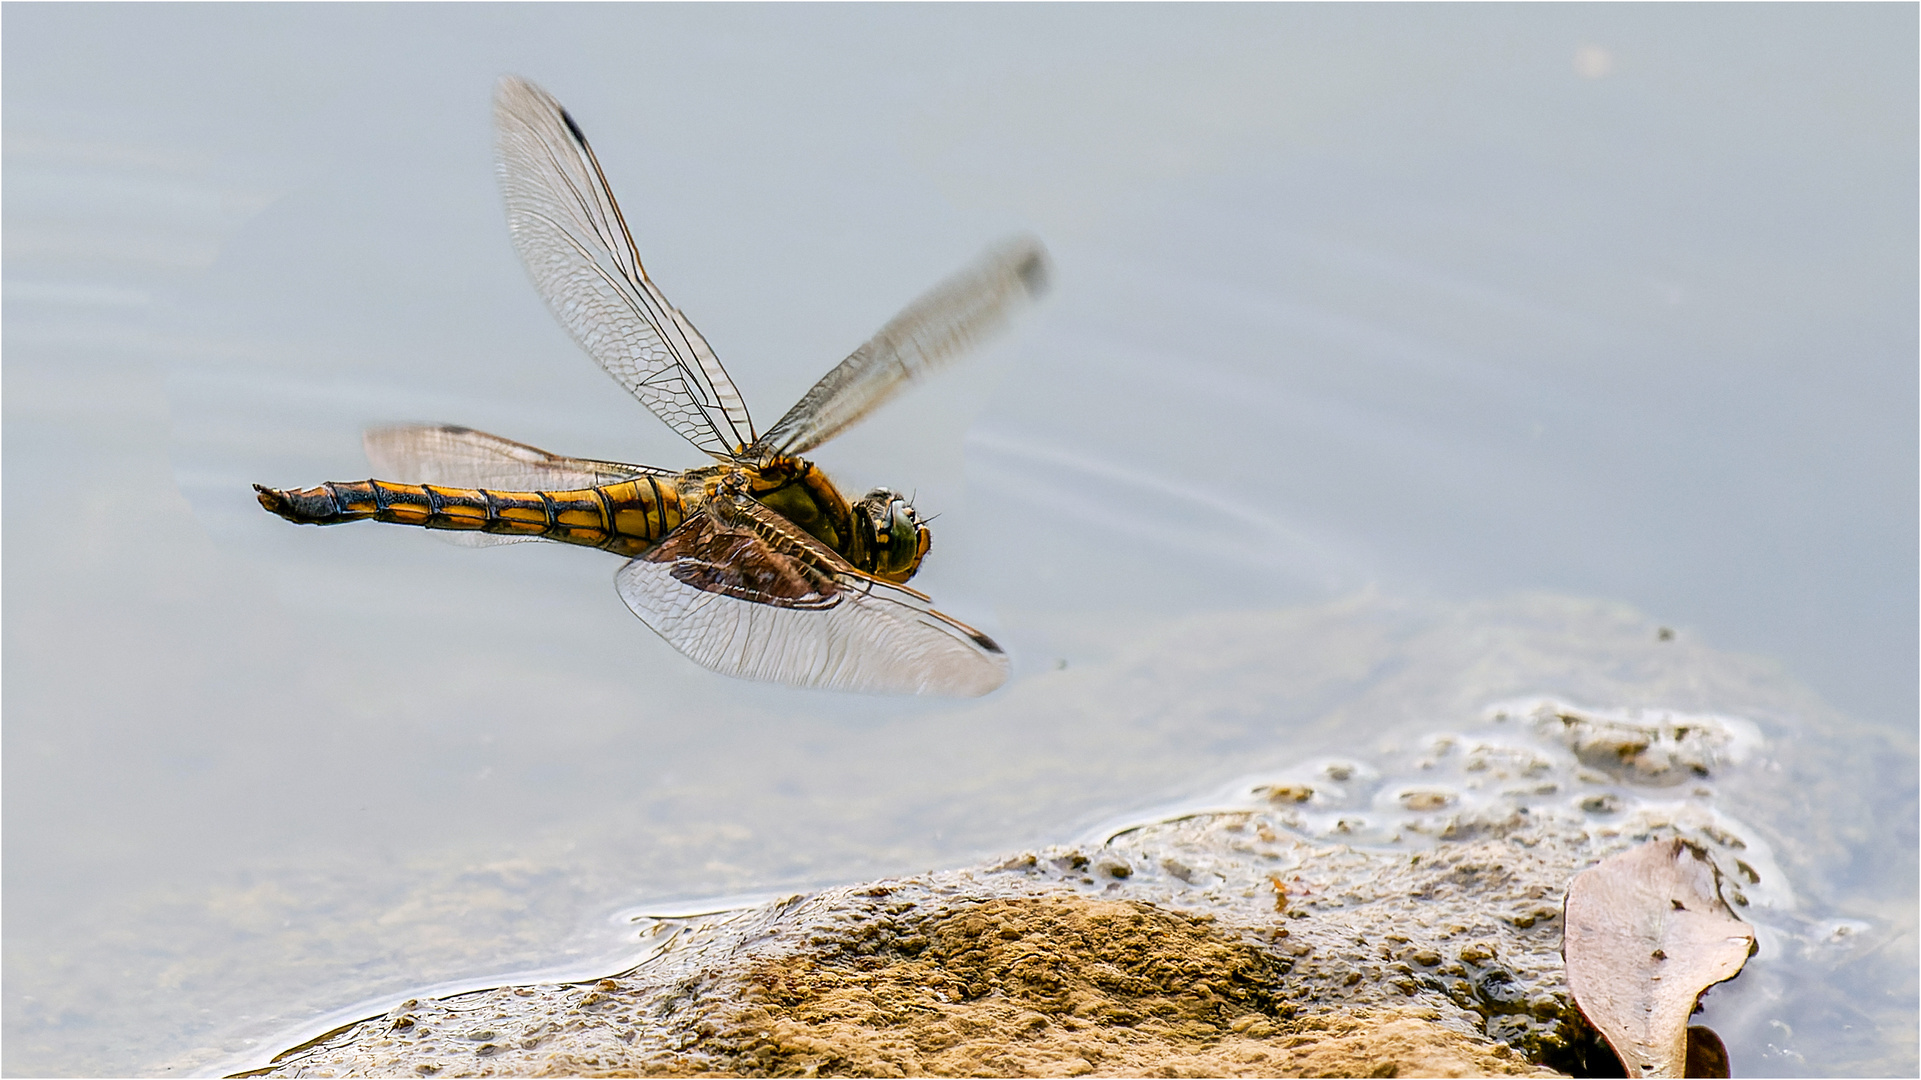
column 1707, row 1058
column 1646, row 934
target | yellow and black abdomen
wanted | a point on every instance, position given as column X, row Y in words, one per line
column 625, row 518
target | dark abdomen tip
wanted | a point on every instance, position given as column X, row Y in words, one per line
column 314, row 506
column 273, row 500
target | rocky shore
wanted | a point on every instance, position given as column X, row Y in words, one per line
column 1389, row 914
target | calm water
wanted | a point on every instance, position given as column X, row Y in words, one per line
column 1373, row 314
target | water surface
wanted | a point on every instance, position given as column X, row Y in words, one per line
column 1385, row 313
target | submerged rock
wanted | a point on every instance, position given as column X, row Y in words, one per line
column 1394, row 913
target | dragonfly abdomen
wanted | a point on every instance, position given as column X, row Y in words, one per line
column 625, row 518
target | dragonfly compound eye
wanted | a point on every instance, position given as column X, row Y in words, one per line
column 897, row 541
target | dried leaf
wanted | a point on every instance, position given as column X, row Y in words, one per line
column 1707, row 1058
column 1646, row 934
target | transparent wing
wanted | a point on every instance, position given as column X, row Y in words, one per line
column 742, row 595
column 930, row 333
column 570, row 234
column 460, row 457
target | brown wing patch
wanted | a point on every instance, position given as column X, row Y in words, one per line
column 708, row 556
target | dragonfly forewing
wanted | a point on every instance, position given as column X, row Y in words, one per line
column 929, row 334
column 575, row 244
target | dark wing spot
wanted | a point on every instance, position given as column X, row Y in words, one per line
column 1033, row 274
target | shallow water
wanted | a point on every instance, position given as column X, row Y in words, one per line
column 1361, row 326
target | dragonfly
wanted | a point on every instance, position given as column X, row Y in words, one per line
column 753, row 565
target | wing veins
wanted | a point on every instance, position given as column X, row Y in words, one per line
column 591, row 213
column 644, row 309
column 626, row 296
column 566, row 219
column 700, row 382
column 856, row 633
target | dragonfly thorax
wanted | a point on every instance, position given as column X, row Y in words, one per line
column 879, row 534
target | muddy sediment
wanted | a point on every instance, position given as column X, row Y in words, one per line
column 1054, row 984
column 1393, row 915
column 920, row 978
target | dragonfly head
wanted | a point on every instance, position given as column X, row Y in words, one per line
column 894, row 537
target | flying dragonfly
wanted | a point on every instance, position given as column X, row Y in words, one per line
column 754, row 565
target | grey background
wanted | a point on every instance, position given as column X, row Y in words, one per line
column 1394, row 309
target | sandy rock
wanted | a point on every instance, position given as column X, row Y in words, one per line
column 1393, row 915
column 923, row 978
